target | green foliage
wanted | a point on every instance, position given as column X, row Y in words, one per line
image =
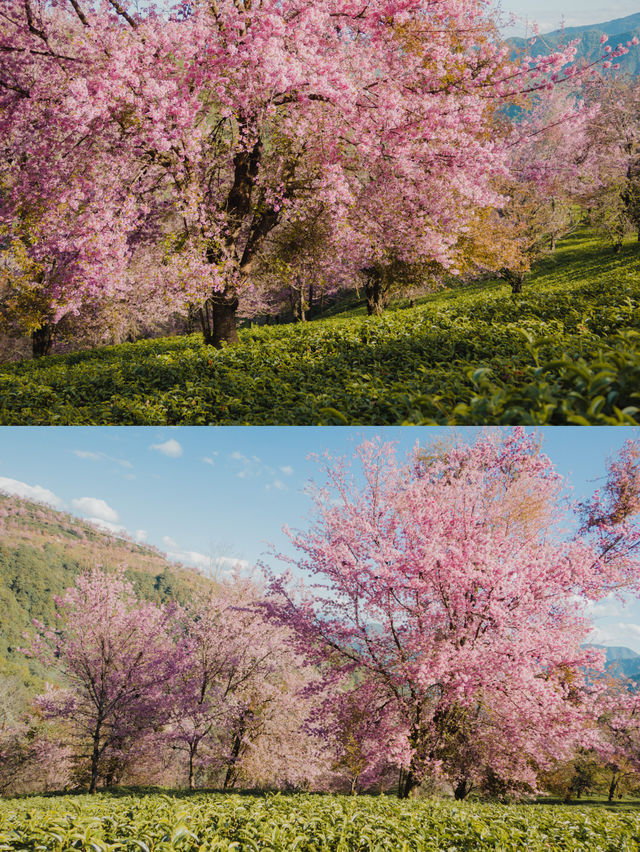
column 564, row 352
column 150, row 823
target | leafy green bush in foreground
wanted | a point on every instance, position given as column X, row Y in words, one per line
column 566, row 351
column 307, row 824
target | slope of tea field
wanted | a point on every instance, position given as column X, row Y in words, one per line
column 109, row 823
column 564, row 352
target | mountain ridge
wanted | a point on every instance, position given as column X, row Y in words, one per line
column 619, row 30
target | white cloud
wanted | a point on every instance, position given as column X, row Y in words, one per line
column 208, row 460
column 609, row 607
column 95, row 507
column 30, row 492
column 141, row 536
column 622, row 634
column 109, row 526
column 168, row 541
column 170, row 448
column 251, row 466
column 87, row 454
column 191, row 557
column 231, row 562
column 287, row 470
column 278, row 485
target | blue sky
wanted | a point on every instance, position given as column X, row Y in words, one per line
column 213, row 496
column 549, row 14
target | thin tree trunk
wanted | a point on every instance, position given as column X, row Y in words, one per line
column 229, row 777
column 42, row 339
column 301, row 305
column 192, row 754
column 95, row 758
column 613, row 786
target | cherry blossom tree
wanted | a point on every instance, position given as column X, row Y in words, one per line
column 618, row 711
column 460, row 607
column 116, row 663
column 614, row 134
column 237, row 689
column 201, row 130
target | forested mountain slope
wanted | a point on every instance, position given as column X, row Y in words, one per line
column 620, row 30
column 42, row 550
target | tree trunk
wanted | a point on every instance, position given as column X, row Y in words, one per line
column 516, row 284
column 218, row 320
column 229, row 777
column 192, row 754
column 374, row 292
column 95, row 758
column 462, row 789
column 613, row 786
column 192, row 318
column 303, row 314
column 42, row 339
column 406, row 783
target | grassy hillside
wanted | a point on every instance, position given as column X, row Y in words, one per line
column 42, row 550
column 565, row 351
column 308, row 824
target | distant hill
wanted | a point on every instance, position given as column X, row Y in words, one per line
column 42, row 550
column 622, row 661
column 619, row 31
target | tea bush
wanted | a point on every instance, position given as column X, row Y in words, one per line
column 564, row 352
column 208, row 822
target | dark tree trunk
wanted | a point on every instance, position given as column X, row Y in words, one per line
column 42, row 339
column 310, row 297
column 218, row 320
column 229, row 777
column 95, row 758
column 462, row 789
column 192, row 754
column 406, row 783
column 614, row 785
column 516, row 284
column 553, row 242
column 375, row 292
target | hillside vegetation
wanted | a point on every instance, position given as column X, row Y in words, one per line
column 110, row 823
column 563, row 352
column 41, row 552
column 620, row 30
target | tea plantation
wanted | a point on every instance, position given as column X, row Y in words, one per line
column 566, row 351
column 307, row 824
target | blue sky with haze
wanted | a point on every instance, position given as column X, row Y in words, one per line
column 213, row 496
column 549, row 14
